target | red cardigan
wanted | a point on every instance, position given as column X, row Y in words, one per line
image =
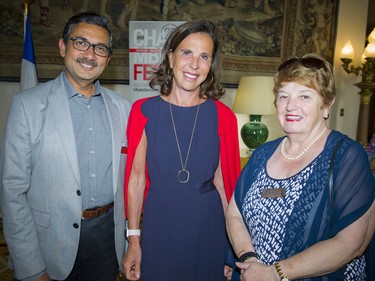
column 229, row 145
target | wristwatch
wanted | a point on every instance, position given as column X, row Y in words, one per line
column 280, row 272
column 132, row 232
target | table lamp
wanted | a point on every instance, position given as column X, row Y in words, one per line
column 255, row 98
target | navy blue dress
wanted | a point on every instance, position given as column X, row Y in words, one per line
column 183, row 228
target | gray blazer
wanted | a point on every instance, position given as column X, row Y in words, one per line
column 40, row 180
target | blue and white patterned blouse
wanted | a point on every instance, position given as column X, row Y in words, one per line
column 284, row 226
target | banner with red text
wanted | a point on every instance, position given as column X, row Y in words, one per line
column 146, row 41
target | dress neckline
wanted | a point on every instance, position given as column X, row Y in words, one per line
column 179, row 106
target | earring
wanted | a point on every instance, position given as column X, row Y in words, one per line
column 326, row 116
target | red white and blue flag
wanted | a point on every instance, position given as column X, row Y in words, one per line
column 29, row 76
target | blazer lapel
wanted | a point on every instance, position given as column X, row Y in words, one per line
column 63, row 121
column 115, row 123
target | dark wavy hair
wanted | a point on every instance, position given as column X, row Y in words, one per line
column 90, row 18
column 162, row 77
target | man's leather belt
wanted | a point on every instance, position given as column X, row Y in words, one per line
column 94, row 213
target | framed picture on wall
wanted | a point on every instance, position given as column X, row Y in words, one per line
column 255, row 35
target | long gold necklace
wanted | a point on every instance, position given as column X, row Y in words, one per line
column 183, row 175
column 304, row 151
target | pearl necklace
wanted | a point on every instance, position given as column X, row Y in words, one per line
column 304, row 151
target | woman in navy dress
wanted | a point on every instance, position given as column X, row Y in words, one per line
column 183, row 154
column 282, row 221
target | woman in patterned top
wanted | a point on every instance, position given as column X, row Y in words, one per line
column 281, row 221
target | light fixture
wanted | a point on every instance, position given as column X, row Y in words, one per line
column 255, row 98
column 367, row 84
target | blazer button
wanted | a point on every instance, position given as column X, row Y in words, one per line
column 79, row 192
column 75, row 225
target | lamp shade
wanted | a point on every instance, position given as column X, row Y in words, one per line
column 255, row 96
column 371, row 37
column 370, row 50
column 347, row 52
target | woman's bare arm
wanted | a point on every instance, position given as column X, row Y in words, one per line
column 136, row 189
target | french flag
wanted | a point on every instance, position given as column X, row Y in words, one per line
column 29, row 76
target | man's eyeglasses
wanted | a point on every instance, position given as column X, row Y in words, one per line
column 82, row 45
column 308, row 62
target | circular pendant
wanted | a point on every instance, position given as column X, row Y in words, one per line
column 183, row 176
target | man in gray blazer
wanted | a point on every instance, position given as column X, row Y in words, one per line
column 63, row 166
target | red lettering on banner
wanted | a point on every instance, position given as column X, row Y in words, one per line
column 143, row 70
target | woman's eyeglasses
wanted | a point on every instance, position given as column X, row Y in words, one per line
column 308, row 62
